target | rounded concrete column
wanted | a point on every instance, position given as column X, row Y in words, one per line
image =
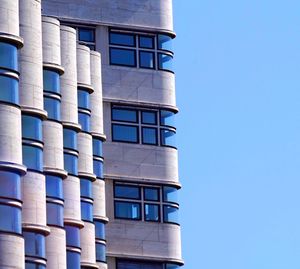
column 83, row 66
column 99, row 200
column 85, row 160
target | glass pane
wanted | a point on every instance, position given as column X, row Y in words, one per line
column 126, row 210
column 138, row 265
column 98, row 168
column 83, row 99
column 54, row 187
column 121, row 114
column 122, row 39
column 31, row 265
column 51, row 81
column 165, row 62
column 99, row 229
column 125, row 133
column 73, row 260
column 86, row 188
column 84, row 121
column 168, row 138
column 70, row 139
column 52, row 106
column 170, row 214
column 172, row 266
column 170, row 194
column 97, row 147
column 8, row 56
column 167, row 118
column 146, row 42
column 33, row 157
column 149, row 136
column 148, row 117
column 146, row 59
column 151, row 212
column 100, row 252
column 165, row 42
column 85, row 34
column 151, row 194
column 122, row 57
column 72, row 236
column 71, row 163
column 125, row 191
column 9, row 90
column 86, row 211
column 12, row 220
column 55, row 214
column 10, row 185
column 32, row 128
column 34, row 244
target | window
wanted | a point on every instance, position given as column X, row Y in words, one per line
column 83, row 99
column 127, row 191
column 100, row 252
column 84, row 113
column 72, row 236
column 10, row 185
column 135, row 264
column 73, row 259
column 34, row 244
column 70, row 139
column 8, row 56
column 9, row 89
column 86, row 211
column 86, row 36
column 86, row 188
column 145, row 126
column 54, row 187
column 55, row 214
column 170, row 194
column 135, row 49
column 52, row 106
column 127, row 210
column 32, row 128
column 12, row 221
column 33, row 265
column 97, row 147
column 33, row 157
column 98, row 168
column 170, row 214
column 51, row 81
column 99, row 229
column 71, row 163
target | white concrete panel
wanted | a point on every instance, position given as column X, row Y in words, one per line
column 87, row 242
column 9, row 17
column 83, row 65
column 99, row 198
column 85, row 148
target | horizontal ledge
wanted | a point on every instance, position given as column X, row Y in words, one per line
column 54, row 67
column 34, row 111
column 13, row 167
column 55, row 171
column 74, row 222
column 36, row 228
column 13, row 39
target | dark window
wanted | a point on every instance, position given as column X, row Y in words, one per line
column 146, row 42
column 170, row 214
column 9, row 89
column 97, row 147
column 167, row 118
column 83, row 99
column 73, row 260
column 126, row 264
column 151, row 212
column 32, row 265
column 55, row 214
column 122, row 39
column 127, row 210
column 8, row 56
column 125, row 133
column 54, row 186
column 71, row 163
column 149, row 117
column 10, row 185
column 32, row 128
column 100, row 252
column 164, row 42
column 52, row 106
column 172, row 266
column 12, row 221
column 86, row 188
column 34, row 244
column 151, row 194
column 126, row 115
column 129, row 192
column 51, row 81
column 168, row 138
column 170, row 194
column 86, row 211
column 70, row 139
column 86, row 34
column 33, row 157
column 124, row 57
column 165, row 62
column 149, row 136
column 98, row 168
column 72, row 236
column 84, row 120
column 146, row 59
column 99, row 229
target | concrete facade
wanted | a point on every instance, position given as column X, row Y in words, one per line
column 87, row 135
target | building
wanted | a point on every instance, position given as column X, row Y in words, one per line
column 73, row 74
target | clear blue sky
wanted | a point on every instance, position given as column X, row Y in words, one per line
column 238, row 89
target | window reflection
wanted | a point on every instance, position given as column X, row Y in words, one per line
column 127, row 210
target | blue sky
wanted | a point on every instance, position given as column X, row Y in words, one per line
column 238, row 91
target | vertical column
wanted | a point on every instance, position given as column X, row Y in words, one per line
column 53, row 144
column 85, row 164
column 11, row 168
column 69, row 114
column 100, row 218
column 31, row 99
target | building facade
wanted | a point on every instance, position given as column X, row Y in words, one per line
column 88, row 159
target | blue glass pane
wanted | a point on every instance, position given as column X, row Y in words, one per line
column 34, row 244
column 84, row 121
column 70, row 139
column 55, row 214
column 165, row 42
column 122, row 39
column 151, row 212
column 32, row 128
column 72, row 236
column 122, row 57
column 100, row 252
column 97, row 147
column 125, row 191
column 170, row 194
column 10, row 185
column 172, row 266
column 168, row 138
column 98, row 168
column 51, row 81
column 9, row 90
column 148, row 117
column 31, row 265
column 8, row 56
column 165, row 62
column 86, row 188
column 121, row 114
column 146, row 59
column 149, row 136
column 128, row 210
column 83, row 99
column 126, row 264
column 146, row 42
column 87, row 35
column 151, row 194
column 167, row 118
column 52, row 106
column 71, row 163
column 33, row 157
column 125, row 133
column 54, row 187
column 73, row 260
column 170, row 214
column 12, row 221
column 86, row 211
column 99, row 229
